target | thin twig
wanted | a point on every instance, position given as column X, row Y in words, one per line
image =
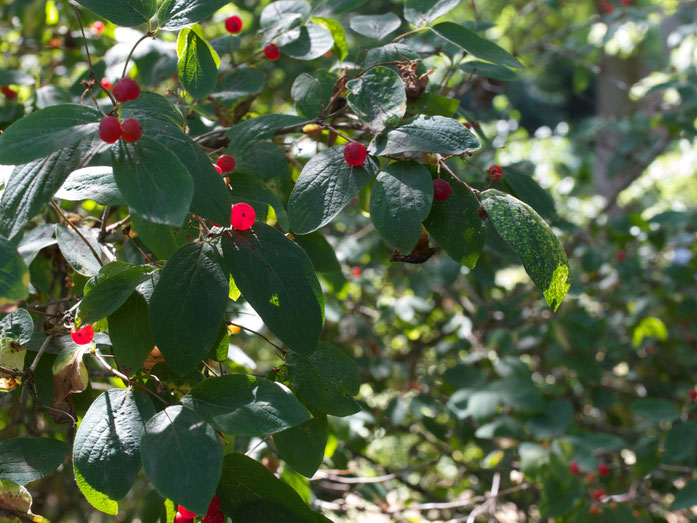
column 283, row 351
column 32, row 368
column 128, row 58
column 74, row 227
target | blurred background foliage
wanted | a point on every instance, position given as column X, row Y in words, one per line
column 471, row 385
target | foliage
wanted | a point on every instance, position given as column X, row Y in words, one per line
column 366, row 346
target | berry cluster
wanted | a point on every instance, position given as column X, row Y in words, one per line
column 126, row 89
column 110, row 130
column 213, row 514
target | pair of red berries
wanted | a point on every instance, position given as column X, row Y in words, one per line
column 603, row 470
column 110, row 130
column 213, row 514
column 9, row 93
column 225, row 164
column 83, row 336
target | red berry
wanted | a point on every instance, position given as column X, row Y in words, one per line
column 109, row 129
column 185, row 512
column 590, row 477
column 693, row 394
column 573, row 468
column 598, row 494
column 99, row 27
column 621, row 256
column 242, row 217
column 126, row 89
column 603, row 470
column 214, row 505
column 217, row 517
column 218, row 168
column 131, row 131
column 357, row 271
column 355, row 154
column 9, row 93
column 441, row 190
column 467, row 125
column 272, row 52
column 594, row 510
column 495, row 173
column 83, row 336
column 226, row 163
column 233, row 24
column 106, row 84
column 180, row 518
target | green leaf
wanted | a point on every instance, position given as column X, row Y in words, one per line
column 182, row 457
column 76, row 252
column 680, row 441
column 106, row 450
column 276, row 277
column 455, row 224
column 377, row 97
column 162, row 240
column 340, row 48
column 15, row 77
column 210, row 198
column 395, row 52
column 242, row 405
column 130, row 333
column 307, row 42
column 110, row 292
column 153, row 109
column 474, row 44
column 320, row 252
column 425, row 134
column 128, row 13
column 238, row 84
column 247, row 189
column 35, row 240
column 97, row 499
column 192, row 290
column 198, row 62
column 283, row 15
column 18, row 325
column 46, row 131
column 554, row 422
column 650, row 327
column 325, row 186
column 23, row 460
column 433, row 104
column 32, row 185
column 92, row 183
column 524, row 187
column 154, row 182
column 376, row 27
column 400, row 200
column 312, row 93
column 14, row 276
column 686, row 497
column 655, row 409
column 423, row 12
column 175, row 14
column 302, row 446
column 326, row 379
column 497, row 72
column 249, row 492
column 533, row 241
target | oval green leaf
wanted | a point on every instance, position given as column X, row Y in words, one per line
column 23, row 460
column 302, row 447
column 14, row 276
column 377, row 97
column 474, row 44
column 376, row 27
column 128, row 13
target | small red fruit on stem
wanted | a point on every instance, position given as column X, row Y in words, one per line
column 621, row 256
column 106, row 84
column 126, row 89
column 218, row 168
column 594, row 510
column 109, row 129
column 598, row 494
column 495, row 173
column 603, row 470
column 693, row 394
column 9, row 93
column 179, row 518
column 99, row 27
column 589, row 477
column 272, row 52
column 574, row 468
column 233, row 24
column 185, row 512
column 441, row 190
column 131, row 131
column 226, row 163
column 242, row 217
column 355, row 154
column 216, row 517
column 357, row 271
column 83, row 336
